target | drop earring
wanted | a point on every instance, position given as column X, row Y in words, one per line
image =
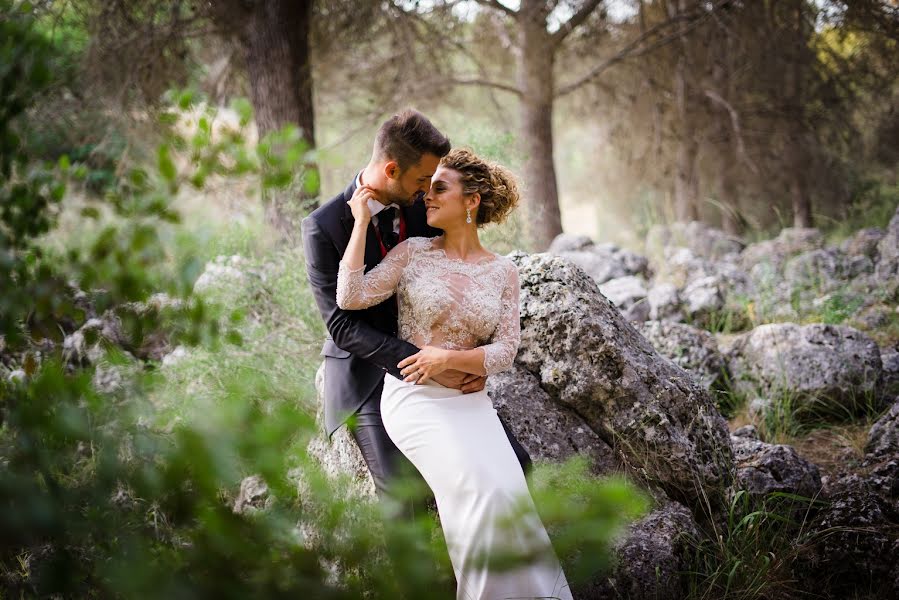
column 468, row 215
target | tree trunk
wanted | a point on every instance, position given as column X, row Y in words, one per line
column 274, row 35
column 796, row 159
column 686, row 185
column 535, row 80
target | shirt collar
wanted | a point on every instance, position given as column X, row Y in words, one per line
column 373, row 205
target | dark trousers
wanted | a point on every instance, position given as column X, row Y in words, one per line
column 388, row 464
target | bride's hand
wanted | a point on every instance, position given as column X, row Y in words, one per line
column 424, row 364
column 359, row 204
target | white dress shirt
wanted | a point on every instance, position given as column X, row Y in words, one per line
column 375, row 207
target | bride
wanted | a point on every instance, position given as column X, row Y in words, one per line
column 458, row 302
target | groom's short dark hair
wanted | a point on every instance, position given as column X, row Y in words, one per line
column 407, row 136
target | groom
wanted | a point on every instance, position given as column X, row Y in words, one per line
column 362, row 344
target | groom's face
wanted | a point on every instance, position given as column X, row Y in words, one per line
column 405, row 187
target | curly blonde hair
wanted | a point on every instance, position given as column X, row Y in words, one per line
column 495, row 184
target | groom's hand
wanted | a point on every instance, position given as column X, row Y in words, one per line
column 466, row 382
column 473, row 383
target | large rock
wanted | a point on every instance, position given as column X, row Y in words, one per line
column 764, row 468
column 822, row 369
column 651, row 557
column 887, row 269
column 694, row 350
column 664, row 303
column 628, row 293
column 547, row 430
column 883, row 437
column 863, row 243
column 602, row 262
column 340, row 455
column 889, row 356
column 588, row 357
column 823, row 269
column 848, row 544
column 789, row 242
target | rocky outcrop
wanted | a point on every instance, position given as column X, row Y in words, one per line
column 547, row 430
column 887, row 269
column 775, row 252
column 701, row 239
column 588, row 358
column 694, row 350
column 650, row 558
column 764, row 468
column 848, row 545
column 340, row 455
column 864, row 242
column 821, row 369
column 602, row 262
column 883, row 437
column 628, row 293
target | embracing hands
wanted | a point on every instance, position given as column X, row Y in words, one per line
column 431, row 363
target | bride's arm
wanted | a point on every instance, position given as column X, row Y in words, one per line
column 488, row 359
column 355, row 288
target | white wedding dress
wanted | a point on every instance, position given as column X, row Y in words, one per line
column 456, row 440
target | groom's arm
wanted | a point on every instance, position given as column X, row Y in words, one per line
column 348, row 331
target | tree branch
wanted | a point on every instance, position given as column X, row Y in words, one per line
column 575, row 21
column 735, row 125
column 633, row 49
column 496, row 4
column 506, row 87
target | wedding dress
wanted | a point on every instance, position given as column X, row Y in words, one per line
column 456, row 440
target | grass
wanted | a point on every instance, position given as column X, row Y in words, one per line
column 752, row 556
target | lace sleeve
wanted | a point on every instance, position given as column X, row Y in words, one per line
column 500, row 353
column 357, row 290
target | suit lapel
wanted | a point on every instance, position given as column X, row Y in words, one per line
column 372, row 247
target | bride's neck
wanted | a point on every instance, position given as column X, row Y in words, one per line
column 462, row 242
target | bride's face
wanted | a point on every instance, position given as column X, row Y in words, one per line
column 445, row 201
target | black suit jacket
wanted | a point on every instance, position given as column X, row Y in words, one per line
column 362, row 344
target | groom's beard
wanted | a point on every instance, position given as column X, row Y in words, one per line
column 395, row 193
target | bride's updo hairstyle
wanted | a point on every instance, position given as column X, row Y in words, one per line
column 495, row 184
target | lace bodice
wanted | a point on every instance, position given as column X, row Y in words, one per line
column 445, row 302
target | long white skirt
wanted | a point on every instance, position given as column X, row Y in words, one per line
column 458, row 444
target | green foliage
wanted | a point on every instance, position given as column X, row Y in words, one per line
column 753, row 555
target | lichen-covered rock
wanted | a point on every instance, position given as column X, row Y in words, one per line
column 704, row 296
column 887, row 268
column 764, row 468
column 602, row 262
column 848, row 545
column 83, row 347
column 863, row 242
column 628, row 293
column 889, row 356
column 569, row 242
column 823, row 269
column 588, row 357
column 664, row 303
column 340, row 455
column 694, row 350
column 820, row 368
column 547, row 430
column 253, row 495
column 789, row 242
column 224, row 270
column 624, row 291
column 651, row 557
column 883, row 437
